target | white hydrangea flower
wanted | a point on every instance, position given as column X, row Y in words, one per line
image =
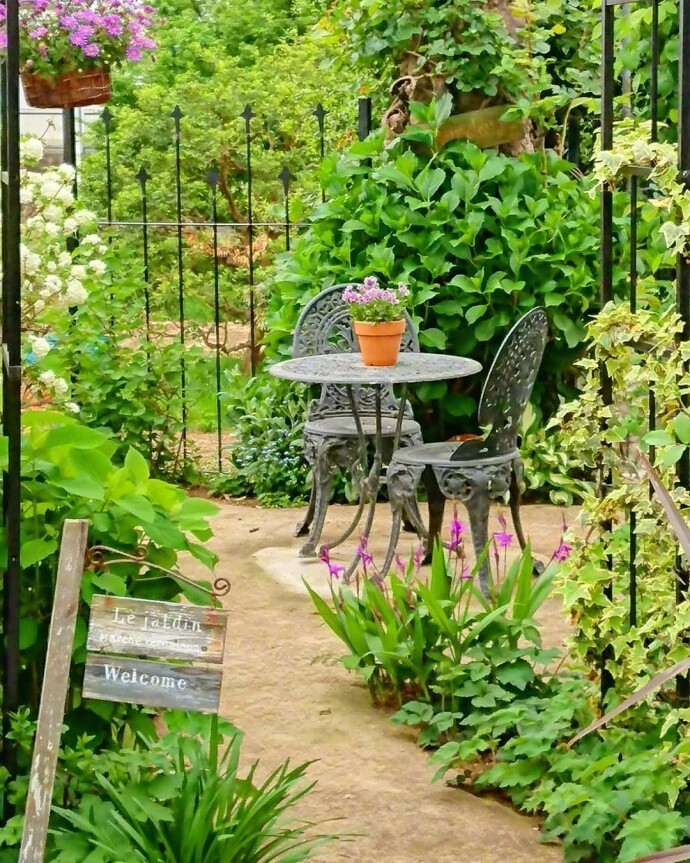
column 30, row 260
column 60, row 386
column 53, row 277
column 50, row 188
column 76, row 293
column 40, row 347
column 31, row 150
column 98, row 266
column 102, row 249
column 53, row 213
column 53, row 284
column 65, row 196
column 67, row 172
column 72, row 406
column 84, row 217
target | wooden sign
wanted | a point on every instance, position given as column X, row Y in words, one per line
column 157, row 684
column 128, row 627
column 167, row 630
column 51, row 712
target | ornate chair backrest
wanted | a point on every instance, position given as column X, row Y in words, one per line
column 324, row 327
column 510, row 381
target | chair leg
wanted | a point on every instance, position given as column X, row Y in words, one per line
column 402, row 481
column 302, row 526
column 324, row 491
column 478, row 504
column 437, row 505
column 515, row 499
column 319, row 453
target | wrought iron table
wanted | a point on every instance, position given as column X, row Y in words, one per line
column 348, row 370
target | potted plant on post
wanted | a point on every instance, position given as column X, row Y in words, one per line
column 378, row 319
column 68, row 47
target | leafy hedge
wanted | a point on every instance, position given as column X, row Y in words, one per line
column 71, row 471
column 479, row 237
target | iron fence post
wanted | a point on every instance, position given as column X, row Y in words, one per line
column 11, row 375
column 247, row 115
column 606, row 275
column 177, row 116
column 683, row 273
column 363, row 117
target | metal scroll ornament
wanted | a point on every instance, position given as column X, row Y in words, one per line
column 98, row 559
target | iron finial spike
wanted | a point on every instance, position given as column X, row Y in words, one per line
column 106, row 116
column 213, row 177
column 319, row 112
column 143, row 175
column 285, row 177
column 247, row 114
column 177, row 115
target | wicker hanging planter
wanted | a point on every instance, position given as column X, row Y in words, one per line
column 73, row 90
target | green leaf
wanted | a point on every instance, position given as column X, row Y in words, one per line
column 136, row 466
column 75, row 436
column 429, row 181
column 433, row 338
column 35, row 550
column 472, row 315
column 681, row 426
column 82, row 486
column 659, row 438
column 137, row 505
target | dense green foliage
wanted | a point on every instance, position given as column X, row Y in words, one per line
column 472, row 676
column 267, row 418
column 69, row 471
column 443, row 640
column 614, row 796
column 521, row 54
column 213, row 60
column 168, row 797
column 479, row 238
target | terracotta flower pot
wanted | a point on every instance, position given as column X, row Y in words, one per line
column 379, row 343
column 74, row 90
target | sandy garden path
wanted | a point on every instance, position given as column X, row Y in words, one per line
column 284, row 688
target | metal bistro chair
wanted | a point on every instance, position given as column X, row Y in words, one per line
column 330, row 434
column 481, row 469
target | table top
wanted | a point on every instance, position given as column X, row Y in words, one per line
column 348, row 368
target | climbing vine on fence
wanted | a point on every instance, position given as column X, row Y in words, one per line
column 640, row 353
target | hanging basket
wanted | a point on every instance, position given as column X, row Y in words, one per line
column 74, row 90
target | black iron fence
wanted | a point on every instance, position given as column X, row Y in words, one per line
column 637, row 190
column 170, row 219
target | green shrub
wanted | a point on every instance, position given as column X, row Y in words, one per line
column 479, row 238
column 614, row 796
column 442, row 643
column 149, row 798
column 190, row 803
column 69, row 471
column 267, row 420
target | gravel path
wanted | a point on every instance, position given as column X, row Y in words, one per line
column 284, row 688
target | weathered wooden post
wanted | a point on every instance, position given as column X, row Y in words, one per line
column 55, row 681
